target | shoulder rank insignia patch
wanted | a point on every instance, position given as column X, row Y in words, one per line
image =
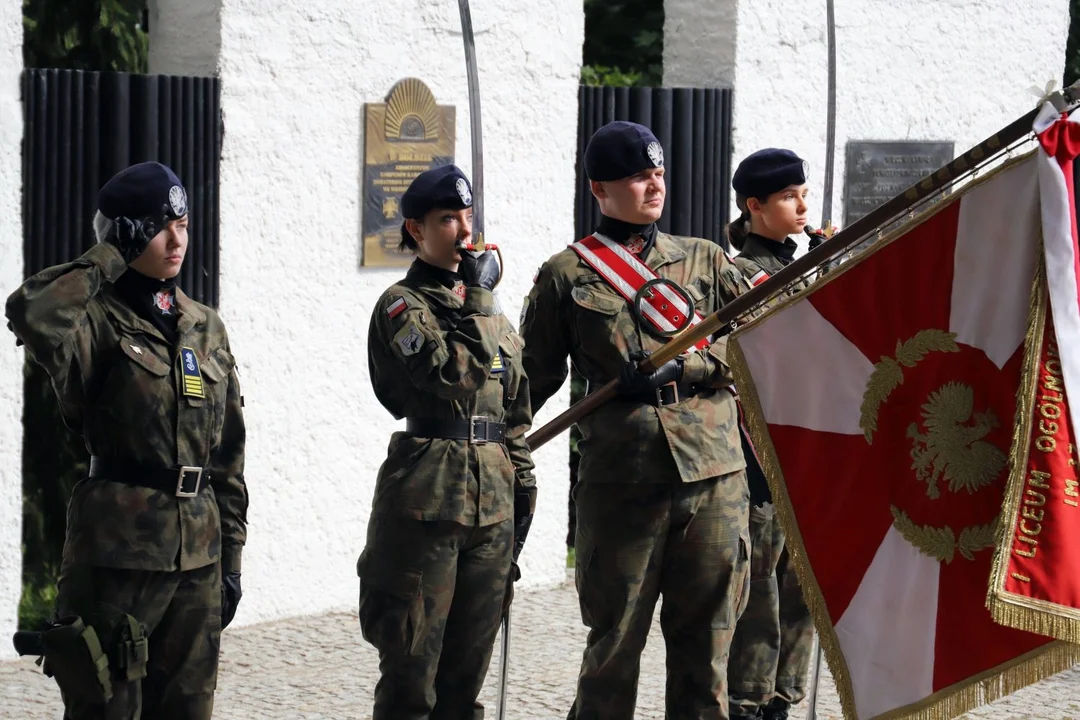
column 189, row 365
column 497, row 365
column 409, row 339
column 396, row 307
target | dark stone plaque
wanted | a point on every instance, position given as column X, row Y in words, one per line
column 877, row 171
column 402, row 138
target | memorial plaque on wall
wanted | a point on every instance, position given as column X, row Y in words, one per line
column 403, row 137
column 876, row 172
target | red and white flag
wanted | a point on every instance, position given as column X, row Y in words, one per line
column 881, row 402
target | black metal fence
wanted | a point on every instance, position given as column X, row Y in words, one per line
column 694, row 127
column 83, row 127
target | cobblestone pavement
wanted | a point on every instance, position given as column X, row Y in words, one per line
column 319, row 668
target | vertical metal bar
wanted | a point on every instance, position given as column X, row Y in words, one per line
column 597, row 123
column 177, row 150
column 217, row 129
column 622, row 103
column 29, row 143
column 641, row 106
column 714, row 193
column 69, row 244
column 663, row 110
column 681, row 171
column 116, row 122
column 697, row 160
column 165, row 116
column 92, row 118
column 185, row 168
column 725, row 150
column 201, row 180
column 53, row 251
column 83, row 232
column 581, row 199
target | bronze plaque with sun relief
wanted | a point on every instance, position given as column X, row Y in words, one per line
column 403, row 137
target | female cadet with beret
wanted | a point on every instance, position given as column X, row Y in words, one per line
column 155, row 533
column 770, row 654
column 455, row 495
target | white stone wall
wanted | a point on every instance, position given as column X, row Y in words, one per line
column 699, row 43
column 906, row 70
column 11, row 358
column 295, row 76
column 173, row 52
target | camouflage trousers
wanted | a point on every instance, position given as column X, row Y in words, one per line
column 181, row 612
column 796, row 635
column 770, row 654
column 635, row 542
column 431, row 598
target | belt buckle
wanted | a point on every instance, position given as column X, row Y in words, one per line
column 473, row 422
column 674, row 393
column 182, row 490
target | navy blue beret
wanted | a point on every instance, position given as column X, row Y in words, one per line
column 441, row 187
column 621, row 149
column 767, row 171
column 148, row 189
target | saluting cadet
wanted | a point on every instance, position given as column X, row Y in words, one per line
column 662, row 498
column 455, row 496
column 151, row 562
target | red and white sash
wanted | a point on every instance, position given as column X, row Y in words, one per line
column 625, row 272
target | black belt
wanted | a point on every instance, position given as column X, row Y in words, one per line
column 478, row 430
column 184, row 481
column 668, row 394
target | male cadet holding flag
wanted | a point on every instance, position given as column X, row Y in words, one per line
column 662, row 500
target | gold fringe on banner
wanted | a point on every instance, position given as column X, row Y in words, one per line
column 1007, row 608
column 954, row 700
column 991, row 685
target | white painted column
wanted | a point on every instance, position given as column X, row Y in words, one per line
column 11, row 358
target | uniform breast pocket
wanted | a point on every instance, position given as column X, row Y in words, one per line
column 700, row 292
column 510, row 347
column 130, row 397
column 596, row 315
column 219, row 363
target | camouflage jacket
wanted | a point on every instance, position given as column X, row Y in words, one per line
column 573, row 312
column 118, row 383
column 435, row 355
column 757, row 255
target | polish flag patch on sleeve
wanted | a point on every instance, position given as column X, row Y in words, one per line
column 759, row 277
column 396, row 307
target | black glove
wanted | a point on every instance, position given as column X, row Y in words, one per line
column 132, row 236
column 633, row 382
column 524, row 506
column 479, row 270
column 230, row 597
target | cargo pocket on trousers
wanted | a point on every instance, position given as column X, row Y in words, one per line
column 737, row 592
column 589, row 586
column 391, row 610
column 761, row 542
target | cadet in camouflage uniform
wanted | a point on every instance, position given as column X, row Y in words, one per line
column 146, row 376
column 662, row 499
column 455, row 496
column 770, row 655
